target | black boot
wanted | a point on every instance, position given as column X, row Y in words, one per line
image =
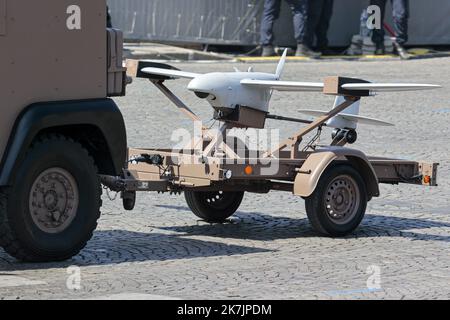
column 268, row 51
column 380, row 49
column 304, row 51
column 327, row 51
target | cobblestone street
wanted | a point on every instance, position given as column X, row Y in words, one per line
column 268, row 249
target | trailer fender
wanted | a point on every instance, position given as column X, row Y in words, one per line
column 315, row 165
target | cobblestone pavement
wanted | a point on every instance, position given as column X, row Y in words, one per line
column 269, row 250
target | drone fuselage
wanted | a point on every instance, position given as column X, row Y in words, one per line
column 242, row 98
column 224, row 90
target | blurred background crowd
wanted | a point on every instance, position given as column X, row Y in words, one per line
column 310, row 27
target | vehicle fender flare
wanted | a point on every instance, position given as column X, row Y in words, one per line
column 102, row 114
column 309, row 174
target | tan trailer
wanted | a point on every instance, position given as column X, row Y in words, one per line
column 61, row 137
column 335, row 181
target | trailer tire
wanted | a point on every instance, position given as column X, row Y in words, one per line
column 213, row 207
column 338, row 204
column 52, row 210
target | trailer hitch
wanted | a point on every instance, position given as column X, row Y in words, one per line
column 116, row 184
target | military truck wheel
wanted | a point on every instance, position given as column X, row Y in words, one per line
column 338, row 203
column 214, row 206
column 51, row 211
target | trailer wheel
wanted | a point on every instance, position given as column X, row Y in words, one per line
column 50, row 213
column 338, row 203
column 214, row 206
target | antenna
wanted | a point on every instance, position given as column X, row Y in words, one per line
column 281, row 64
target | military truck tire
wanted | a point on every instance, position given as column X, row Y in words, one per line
column 52, row 209
column 214, row 207
column 338, row 203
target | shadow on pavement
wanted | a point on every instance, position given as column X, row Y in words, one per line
column 120, row 246
column 259, row 226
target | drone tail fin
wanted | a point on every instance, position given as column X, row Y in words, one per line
column 353, row 110
column 281, row 64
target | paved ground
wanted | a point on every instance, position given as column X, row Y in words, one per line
column 269, row 249
column 165, row 52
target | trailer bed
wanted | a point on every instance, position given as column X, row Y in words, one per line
column 186, row 170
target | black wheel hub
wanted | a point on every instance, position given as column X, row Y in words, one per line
column 342, row 198
column 217, row 200
column 53, row 200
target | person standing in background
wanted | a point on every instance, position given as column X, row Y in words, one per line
column 300, row 11
column 320, row 12
column 108, row 18
column 400, row 13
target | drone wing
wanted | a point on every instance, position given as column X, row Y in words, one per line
column 174, row 74
column 284, row 85
column 350, row 117
column 386, row 87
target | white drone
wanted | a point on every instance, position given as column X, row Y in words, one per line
column 227, row 92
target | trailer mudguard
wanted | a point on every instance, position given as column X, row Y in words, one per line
column 67, row 117
column 317, row 162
